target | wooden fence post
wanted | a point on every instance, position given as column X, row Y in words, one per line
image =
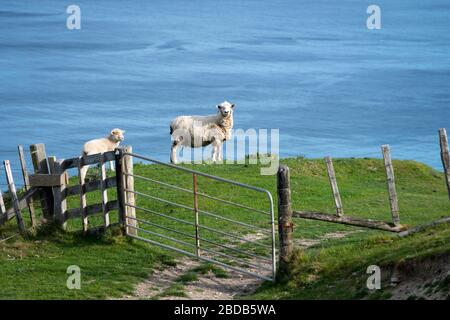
column 393, row 201
column 83, row 199
column 2, row 204
column 120, row 187
column 14, row 199
column 334, row 187
column 128, row 171
column 445, row 157
column 40, row 164
column 285, row 225
column 26, row 181
column 104, row 191
column 60, row 203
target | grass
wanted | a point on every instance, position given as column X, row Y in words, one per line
column 338, row 271
column 35, row 268
column 110, row 264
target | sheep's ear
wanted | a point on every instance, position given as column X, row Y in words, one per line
column 232, row 106
column 219, row 106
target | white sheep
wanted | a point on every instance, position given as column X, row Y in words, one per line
column 102, row 145
column 201, row 131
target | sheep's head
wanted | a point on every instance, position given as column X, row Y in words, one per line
column 117, row 135
column 225, row 109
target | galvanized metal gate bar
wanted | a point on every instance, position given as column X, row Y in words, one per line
column 198, row 226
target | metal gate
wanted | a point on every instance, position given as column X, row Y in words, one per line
column 178, row 214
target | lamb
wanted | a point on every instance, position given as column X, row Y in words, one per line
column 110, row 143
column 201, row 131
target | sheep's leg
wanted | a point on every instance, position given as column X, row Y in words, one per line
column 173, row 155
column 216, row 150
column 220, row 152
column 112, row 166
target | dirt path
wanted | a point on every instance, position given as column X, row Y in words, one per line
column 208, row 286
column 307, row 243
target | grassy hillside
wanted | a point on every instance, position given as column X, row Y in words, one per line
column 333, row 268
column 337, row 269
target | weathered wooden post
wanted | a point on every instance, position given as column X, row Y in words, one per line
column 120, row 188
column 2, row 205
column 60, row 202
column 334, row 186
column 83, row 198
column 104, row 190
column 26, row 181
column 40, row 165
column 445, row 157
column 285, row 224
column 14, row 198
column 130, row 202
column 393, row 201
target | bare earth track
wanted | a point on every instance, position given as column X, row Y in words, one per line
column 208, row 286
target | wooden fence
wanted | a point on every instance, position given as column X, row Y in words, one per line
column 49, row 185
column 286, row 213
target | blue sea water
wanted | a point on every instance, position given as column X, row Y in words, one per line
column 310, row 68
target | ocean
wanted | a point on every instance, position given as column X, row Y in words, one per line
column 311, row 69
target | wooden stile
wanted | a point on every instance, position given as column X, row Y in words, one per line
column 393, row 201
column 334, row 187
column 88, row 160
column 14, row 198
column 445, row 157
column 89, row 187
column 47, row 180
column 90, row 210
column 26, row 181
